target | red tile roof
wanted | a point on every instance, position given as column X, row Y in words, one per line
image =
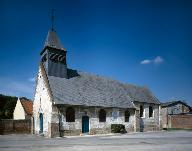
column 28, row 106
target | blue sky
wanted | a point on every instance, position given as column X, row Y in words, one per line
column 147, row 43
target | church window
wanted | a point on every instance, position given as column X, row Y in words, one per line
column 127, row 116
column 70, row 115
column 141, row 110
column 102, row 115
column 150, row 111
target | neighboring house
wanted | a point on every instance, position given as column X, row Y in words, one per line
column 23, row 109
column 73, row 102
column 172, row 108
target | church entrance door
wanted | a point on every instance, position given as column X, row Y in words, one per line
column 41, row 122
column 85, row 124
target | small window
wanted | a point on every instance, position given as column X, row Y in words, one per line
column 150, row 111
column 141, row 111
column 70, row 115
column 127, row 116
column 102, row 116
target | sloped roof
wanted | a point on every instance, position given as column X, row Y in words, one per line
column 171, row 103
column 91, row 90
column 52, row 40
column 27, row 105
column 141, row 94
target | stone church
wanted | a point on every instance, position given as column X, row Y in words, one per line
column 71, row 102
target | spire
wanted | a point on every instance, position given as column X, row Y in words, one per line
column 52, row 40
column 53, row 55
column 52, row 19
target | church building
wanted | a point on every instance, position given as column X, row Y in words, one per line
column 71, row 102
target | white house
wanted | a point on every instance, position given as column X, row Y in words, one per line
column 23, row 109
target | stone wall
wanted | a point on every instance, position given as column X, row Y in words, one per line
column 9, row 126
column 164, row 117
column 181, row 121
column 95, row 127
column 137, row 121
column 42, row 104
column 149, row 123
column 54, row 130
column 175, row 109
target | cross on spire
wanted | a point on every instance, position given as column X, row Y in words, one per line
column 52, row 19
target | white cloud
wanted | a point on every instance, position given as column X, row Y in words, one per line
column 157, row 60
column 146, row 61
column 32, row 79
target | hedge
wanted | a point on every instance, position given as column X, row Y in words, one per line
column 118, row 128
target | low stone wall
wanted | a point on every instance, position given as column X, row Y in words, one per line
column 151, row 127
column 181, row 121
column 92, row 131
column 70, row 132
column 9, row 126
column 148, row 125
column 100, row 131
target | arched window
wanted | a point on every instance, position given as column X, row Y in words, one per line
column 127, row 115
column 150, row 111
column 70, row 115
column 102, row 115
column 141, row 111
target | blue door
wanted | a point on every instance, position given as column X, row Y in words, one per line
column 85, row 124
column 41, row 122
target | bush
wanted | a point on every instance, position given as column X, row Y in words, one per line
column 118, row 128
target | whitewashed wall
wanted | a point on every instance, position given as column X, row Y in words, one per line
column 93, row 114
column 19, row 112
column 42, row 104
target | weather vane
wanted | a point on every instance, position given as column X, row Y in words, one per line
column 52, row 19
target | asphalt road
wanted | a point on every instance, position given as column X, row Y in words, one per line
column 151, row 141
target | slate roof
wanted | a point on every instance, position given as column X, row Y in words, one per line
column 91, row 90
column 141, row 94
column 52, row 40
column 27, row 105
column 172, row 103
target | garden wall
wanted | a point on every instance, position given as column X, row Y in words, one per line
column 181, row 121
column 9, row 126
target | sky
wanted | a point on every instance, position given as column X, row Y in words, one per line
column 146, row 43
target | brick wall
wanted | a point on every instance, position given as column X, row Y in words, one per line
column 183, row 121
column 8, row 126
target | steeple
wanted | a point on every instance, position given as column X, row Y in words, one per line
column 52, row 40
column 53, row 55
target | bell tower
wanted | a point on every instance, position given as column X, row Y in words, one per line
column 53, row 55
